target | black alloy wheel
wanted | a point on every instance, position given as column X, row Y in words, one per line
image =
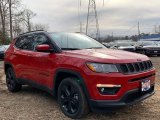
column 72, row 99
column 12, row 85
column 69, row 99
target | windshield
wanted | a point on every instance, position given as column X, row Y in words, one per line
column 148, row 43
column 73, row 41
column 158, row 43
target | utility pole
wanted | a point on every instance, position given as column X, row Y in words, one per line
column 138, row 29
column 79, row 14
column 92, row 26
column 155, row 29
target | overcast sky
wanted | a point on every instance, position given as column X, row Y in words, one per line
column 117, row 16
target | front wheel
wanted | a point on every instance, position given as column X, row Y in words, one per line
column 11, row 82
column 71, row 99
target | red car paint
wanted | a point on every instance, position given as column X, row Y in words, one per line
column 41, row 68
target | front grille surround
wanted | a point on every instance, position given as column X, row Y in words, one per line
column 133, row 68
column 154, row 48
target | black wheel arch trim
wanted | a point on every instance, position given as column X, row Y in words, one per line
column 80, row 81
column 7, row 63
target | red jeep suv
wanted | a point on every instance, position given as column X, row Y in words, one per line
column 79, row 71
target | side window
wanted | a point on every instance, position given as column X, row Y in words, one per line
column 40, row 39
column 25, row 42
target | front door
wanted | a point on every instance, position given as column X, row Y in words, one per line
column 41, row 63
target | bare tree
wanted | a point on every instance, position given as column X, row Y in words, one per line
column 13, row 5
column 27, row 16
column 10, row 17
column 13, row 19
column 40, row 27
column 3, row 13
column 17, row 23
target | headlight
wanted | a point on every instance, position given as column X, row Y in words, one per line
column 104, row 68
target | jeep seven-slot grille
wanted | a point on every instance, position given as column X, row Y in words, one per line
column 131, row 68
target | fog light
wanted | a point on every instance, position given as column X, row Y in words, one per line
column 102, row 89
column 108, row 89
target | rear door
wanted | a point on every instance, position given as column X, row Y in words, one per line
column 22, row 53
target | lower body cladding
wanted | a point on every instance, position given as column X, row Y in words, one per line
column 112, row 91
column 129, row 98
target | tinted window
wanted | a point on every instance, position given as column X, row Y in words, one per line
column 30, row 42
column 146, row 43
column 25, row 42
column 40, row 39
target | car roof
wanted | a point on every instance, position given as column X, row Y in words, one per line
column 31, row 32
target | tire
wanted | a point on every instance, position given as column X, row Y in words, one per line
column 11, row 82
column 71, row 99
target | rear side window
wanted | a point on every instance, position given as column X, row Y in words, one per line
column 25, row 43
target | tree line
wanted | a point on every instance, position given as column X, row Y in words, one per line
column 16, row 19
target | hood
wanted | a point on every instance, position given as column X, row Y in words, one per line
column 107, row 55
column 151, row 46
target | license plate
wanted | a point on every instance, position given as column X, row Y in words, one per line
column 155, row 51
column 146, row 85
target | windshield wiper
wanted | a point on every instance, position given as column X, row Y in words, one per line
column 94, row 48
column 70, row 49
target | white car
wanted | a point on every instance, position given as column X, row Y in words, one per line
column 3, row 49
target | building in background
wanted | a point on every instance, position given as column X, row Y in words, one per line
column 150, row 37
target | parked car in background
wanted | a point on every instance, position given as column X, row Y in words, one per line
column 148, row 47
column 108, row 45
column 3, row 49
column 127, row 46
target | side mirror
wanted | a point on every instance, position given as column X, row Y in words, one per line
column 43, row 48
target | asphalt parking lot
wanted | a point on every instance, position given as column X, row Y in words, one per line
column 33, row 104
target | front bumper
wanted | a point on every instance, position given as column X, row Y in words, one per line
column 128, row 82
column 153, row 52
column 131, row 97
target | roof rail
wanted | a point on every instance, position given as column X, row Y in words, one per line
column 30, row 32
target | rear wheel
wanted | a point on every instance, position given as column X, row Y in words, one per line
column 71, row 99
column 11, row 82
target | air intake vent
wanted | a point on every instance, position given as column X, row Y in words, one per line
column 131, row 68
